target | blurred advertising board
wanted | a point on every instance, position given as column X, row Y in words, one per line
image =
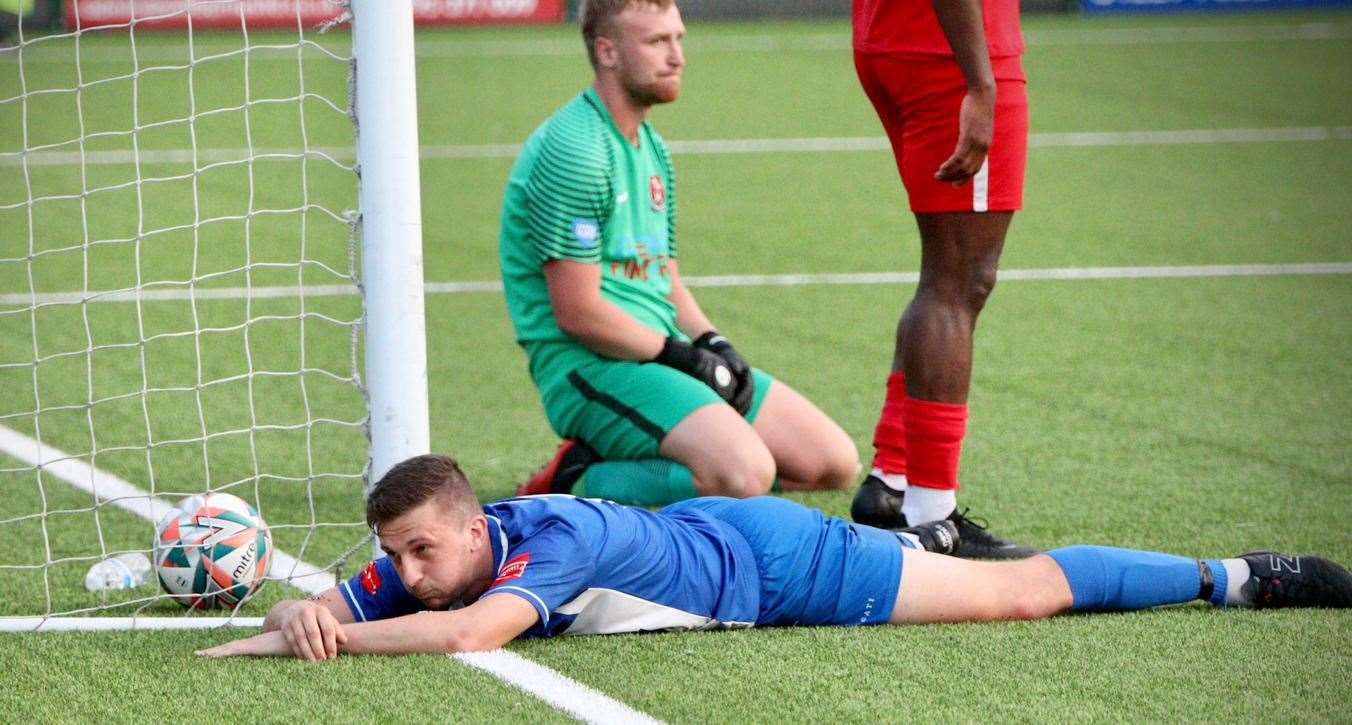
column 1192, row 6
column 175, row 14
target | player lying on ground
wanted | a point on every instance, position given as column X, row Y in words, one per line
column 540, row 566
column 656, row 406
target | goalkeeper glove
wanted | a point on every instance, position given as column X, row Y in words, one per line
column 746, row 385
column 703, row 365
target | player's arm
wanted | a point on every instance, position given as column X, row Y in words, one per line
column 604, row 328
column 597, row 323
column 693, row 322
column 312, row 628
column 689, row 317
column 487, row 624
column 962, row 25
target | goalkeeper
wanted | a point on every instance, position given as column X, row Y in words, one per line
column 629, row 369
column 540, row 566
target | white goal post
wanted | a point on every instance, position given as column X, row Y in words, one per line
column 179, row 314
column 391, row 209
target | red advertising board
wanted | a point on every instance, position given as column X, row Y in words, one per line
column 175, row 14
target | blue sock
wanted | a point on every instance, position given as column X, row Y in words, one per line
column 1106, row 579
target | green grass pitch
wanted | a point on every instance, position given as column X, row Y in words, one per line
column 1200, row 416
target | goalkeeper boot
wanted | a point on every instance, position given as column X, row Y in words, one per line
column 570, row 461
column 875, row 504
column 1278, row 580
column 978, row 543
column 940, row 537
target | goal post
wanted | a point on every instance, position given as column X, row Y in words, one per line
column 211, row 279
column 391, row 216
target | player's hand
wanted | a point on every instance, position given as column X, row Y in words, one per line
column 268, row 644
column 746, row 384
column 976, row 129
column 703, row 365
column 311, row 631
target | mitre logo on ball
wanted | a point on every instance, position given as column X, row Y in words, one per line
column 212, row 551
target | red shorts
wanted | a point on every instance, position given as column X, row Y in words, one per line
column 918, row 100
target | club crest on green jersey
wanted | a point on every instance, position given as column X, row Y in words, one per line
column 658, row 192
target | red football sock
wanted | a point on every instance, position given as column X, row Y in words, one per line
column 934, row 433
column 889, row 438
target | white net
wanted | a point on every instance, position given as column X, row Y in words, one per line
column 177, row 292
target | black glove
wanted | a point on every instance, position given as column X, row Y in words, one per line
column 746, row 384
column 703, row 365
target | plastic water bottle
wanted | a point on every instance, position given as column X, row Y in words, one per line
column 124, row 571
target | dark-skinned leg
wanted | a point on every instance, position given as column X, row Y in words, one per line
column 959, row 256
column 932, row 364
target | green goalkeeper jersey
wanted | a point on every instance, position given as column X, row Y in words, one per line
column 580, row 191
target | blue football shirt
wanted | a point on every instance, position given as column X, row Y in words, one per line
column 590, row 566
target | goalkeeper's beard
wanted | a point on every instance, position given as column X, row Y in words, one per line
column 651, row 93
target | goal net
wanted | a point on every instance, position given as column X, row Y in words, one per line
column 185, row 228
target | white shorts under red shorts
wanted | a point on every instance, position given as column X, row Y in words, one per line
column 918, row 99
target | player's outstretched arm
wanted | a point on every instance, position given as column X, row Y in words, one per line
column 312, row 627
column 487, row 624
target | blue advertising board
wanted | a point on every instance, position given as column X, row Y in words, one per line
column 1164, row 6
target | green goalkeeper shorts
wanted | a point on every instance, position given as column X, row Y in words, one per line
column 624, row 409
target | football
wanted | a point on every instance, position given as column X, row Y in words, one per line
column 212, row 550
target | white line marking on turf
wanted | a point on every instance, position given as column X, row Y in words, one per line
column 572, row 697
column 694, row 147
column 118, row 492
column 1027, row 275
column 25, row 301
column 433, row 45
column 121, row 624
column 577, row 700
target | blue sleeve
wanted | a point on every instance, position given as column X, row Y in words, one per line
column 378, row 593
column 548, row 570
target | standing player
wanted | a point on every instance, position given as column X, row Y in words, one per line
column 655, row 405
column 945, row 78
column 540, row 566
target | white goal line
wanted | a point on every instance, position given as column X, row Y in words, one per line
column 122, row 624
column 176, row 291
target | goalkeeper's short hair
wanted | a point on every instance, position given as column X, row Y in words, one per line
column 598, row 19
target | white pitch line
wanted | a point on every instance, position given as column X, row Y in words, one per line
column 576, row 699
column 122, row 624
column 559, row 691
column 431, row 45
column 118, row 492
column 701, row 147
column 25, row 301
